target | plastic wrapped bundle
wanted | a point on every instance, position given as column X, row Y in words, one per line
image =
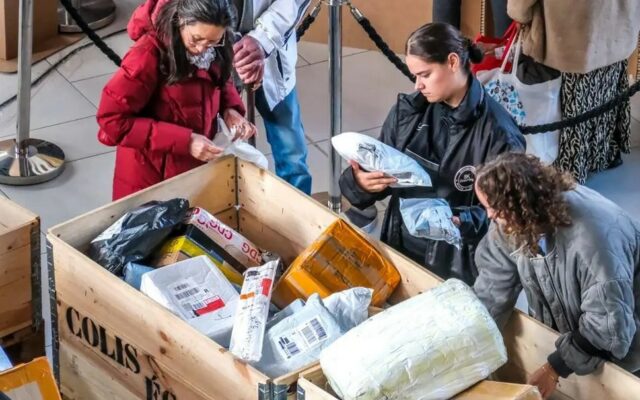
column 431, row 219
column 373, row 155
column 431, row 346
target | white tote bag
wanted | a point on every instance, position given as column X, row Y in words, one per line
column 529, row 104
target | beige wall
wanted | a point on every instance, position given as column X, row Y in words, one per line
column 393, row 19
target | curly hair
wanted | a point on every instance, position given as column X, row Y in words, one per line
column 527, row 195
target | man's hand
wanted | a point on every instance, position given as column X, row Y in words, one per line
column 248, row 60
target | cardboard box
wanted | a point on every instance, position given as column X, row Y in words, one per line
column 31, row 381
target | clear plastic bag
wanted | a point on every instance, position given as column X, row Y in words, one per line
column 373, row 155
column 430, row 219
column 240, row 149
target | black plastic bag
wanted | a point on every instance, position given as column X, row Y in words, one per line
column 137, row 234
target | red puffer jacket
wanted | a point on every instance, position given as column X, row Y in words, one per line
column 151, row 122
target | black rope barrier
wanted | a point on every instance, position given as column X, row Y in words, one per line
column 308, row 20
column 373, row 35
column 526, row 130
column 90, row 32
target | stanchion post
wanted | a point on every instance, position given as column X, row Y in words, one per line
column 26, row 161
column 335, row 99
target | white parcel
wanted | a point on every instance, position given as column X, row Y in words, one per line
column 428, row 347
column 196, row 291
column 431, row 219
column 252, row 312
column 296, row 341
column 373, row 155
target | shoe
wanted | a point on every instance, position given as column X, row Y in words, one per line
column 616, row 162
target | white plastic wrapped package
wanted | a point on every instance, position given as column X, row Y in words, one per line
column 252, row 312
column 196, row 291
column 239, row 148
column 431, row 219
column 428, row 347
column 297, row 340
column 373, row 155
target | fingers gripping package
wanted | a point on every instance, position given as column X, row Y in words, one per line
column 431, row 219
column 373, row 155
column 240, row 149
column 231, row 244
column 428, row 347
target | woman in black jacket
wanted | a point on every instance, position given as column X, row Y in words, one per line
column 449, row 126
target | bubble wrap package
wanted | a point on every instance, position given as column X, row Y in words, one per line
column 431, row 219
column 373, row 155
column 428, row 347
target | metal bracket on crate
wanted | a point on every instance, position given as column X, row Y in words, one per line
column 36, row 278
column 55, row 340
column 272, row 391
column 301, row 394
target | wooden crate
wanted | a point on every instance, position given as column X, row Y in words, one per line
column 313, row 385
column 113, row 342
column 19, row 273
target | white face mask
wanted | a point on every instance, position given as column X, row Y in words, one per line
column 204, row 59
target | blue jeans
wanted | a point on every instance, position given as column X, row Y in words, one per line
column 285, row 134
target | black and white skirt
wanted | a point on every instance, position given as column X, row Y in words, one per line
column 593, row 145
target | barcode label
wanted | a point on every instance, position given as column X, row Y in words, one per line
column 187, row 293
column 313, row 332
column 289, row 347
column 181, row 287
column 303, row 338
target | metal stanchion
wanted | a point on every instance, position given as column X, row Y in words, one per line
column 335, row 99
column 26, row 161
column 251, row 110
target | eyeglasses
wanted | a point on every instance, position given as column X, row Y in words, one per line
column 197, row 42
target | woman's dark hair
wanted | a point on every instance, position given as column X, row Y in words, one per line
column 435, row 41
column 527, row 195
column 176, row 14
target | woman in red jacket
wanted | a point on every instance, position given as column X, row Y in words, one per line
column 160, row 107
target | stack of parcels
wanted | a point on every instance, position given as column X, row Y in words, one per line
column 431, row 346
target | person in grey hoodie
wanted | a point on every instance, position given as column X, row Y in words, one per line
column 575, row 254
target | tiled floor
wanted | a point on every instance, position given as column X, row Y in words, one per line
column 64, row 106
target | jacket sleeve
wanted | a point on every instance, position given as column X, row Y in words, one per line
column 606, row 327
column 498, row 284
column 521, row 10
column 229, row 98
column 277, row 23
column 123, row 99
column 350, row 189
column 473, row 222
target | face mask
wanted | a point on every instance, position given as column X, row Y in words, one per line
column 204, row 59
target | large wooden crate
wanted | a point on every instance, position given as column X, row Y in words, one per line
column 112, row 342
column 313, row 385
column 19, row 273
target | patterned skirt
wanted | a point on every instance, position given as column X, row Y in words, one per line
column 593, row 145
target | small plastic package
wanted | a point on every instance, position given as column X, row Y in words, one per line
column 431, row 219
column 296, row 341
column 137, row 234
column 252, row 312
column 373, row 155
column 196, row 291
column 133, row 274
column 239, row 148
